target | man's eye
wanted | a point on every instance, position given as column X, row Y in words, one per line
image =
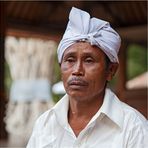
column 89, row 60
column 71, row 59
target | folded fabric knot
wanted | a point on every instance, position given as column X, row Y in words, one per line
column 95, row 31
column 91, row 38
column 88, row 38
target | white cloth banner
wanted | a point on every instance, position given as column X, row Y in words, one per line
column 30, row 90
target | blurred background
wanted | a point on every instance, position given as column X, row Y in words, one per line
column 30, row 80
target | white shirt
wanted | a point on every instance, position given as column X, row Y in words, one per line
column 115, row 125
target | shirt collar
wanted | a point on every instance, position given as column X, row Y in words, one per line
column 61, row 111
column 111, row 107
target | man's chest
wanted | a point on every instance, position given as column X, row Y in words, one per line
column 91, row 137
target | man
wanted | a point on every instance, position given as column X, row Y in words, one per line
column 89, row 115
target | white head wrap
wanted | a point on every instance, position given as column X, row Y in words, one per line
column 95, row 31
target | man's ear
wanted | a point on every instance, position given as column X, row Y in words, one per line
column 111, row 70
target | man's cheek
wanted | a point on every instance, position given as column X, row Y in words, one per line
column 64, row 67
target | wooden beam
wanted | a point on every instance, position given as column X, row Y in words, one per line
column 3, row 133
column 41, row 27
column 33, row 34
column 122, row 72
column 25, row 29
column 135, row 34
column 137, row 98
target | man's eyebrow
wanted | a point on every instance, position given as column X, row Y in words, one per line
column 87, row 54
column 69, row 54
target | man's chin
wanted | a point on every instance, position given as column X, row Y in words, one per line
column 78, row 95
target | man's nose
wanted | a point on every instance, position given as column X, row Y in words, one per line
column 78, row 69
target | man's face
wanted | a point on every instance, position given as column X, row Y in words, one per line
column 84, row 72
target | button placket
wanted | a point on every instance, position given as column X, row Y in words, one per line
column 83, row 138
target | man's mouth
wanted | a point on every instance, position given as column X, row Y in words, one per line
column 77, row 82
column 80, row 83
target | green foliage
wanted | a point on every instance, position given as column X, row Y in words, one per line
column 56, row 70
column 56, row 78
column 56, row 97
column 137, row 61
column 8, row 79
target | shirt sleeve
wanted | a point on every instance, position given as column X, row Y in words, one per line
column 32, row 140
column 37, row 134
column 138, row 136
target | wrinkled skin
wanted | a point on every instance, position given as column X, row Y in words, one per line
column 84, row 74
column 84, row 71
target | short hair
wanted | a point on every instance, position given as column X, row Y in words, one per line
column 107, row 60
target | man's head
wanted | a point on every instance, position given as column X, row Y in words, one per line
column 88, row 54
column 85, row 70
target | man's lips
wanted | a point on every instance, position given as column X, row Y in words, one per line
column 77, row 82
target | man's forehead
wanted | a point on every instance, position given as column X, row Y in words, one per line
column 82, row 47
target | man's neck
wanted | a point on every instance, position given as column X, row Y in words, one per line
column 84, row 109
column 81, row 112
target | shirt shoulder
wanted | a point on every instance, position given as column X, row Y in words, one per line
column 131, row 112
column 127, row 112
column 42, row 119
column 136, row 126
column 55, row 114
column 133, row 117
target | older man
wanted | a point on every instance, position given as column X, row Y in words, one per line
column 89, row 115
